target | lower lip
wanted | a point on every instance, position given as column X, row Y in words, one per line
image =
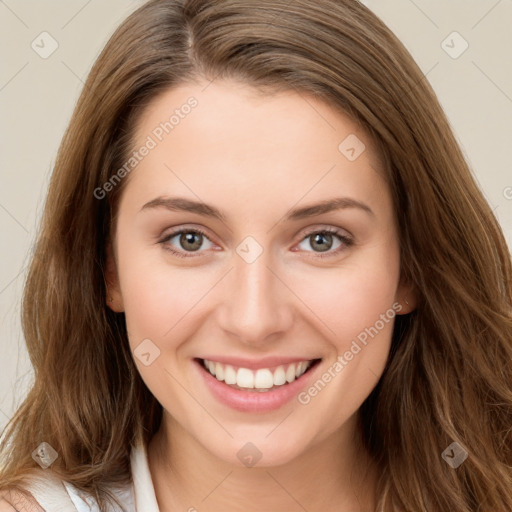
column 254, row 401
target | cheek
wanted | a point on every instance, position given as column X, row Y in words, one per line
column 356, row 304
column 352, row 297
column 161, row 300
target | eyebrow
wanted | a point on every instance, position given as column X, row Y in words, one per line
column 188, row 205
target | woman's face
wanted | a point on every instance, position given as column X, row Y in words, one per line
column 256, row 233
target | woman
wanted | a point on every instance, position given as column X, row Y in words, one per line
column 338, row 334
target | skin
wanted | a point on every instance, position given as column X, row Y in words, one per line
column 255, row 157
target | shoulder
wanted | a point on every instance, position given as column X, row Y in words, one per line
column 40, row 491
column 43, row 491
column 15, row 500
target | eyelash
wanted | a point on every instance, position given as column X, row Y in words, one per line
column 346, row 241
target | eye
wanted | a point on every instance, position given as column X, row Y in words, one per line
column 189, row 241
column 323, row 241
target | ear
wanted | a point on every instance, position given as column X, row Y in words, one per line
column 406, row 296
column 114, row 297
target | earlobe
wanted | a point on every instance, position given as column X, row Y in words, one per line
column 407, row 297
column 406, row 306
column 114, row 298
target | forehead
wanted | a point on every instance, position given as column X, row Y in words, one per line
column 230, row 104
column 226, row 134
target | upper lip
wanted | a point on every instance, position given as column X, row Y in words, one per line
column 255, row 364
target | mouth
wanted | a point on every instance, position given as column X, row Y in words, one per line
column 258, row 380
column 259, row 388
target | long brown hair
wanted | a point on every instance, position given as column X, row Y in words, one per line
column 449, row 374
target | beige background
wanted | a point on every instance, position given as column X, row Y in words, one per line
column 37, row 96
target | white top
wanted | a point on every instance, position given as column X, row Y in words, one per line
column 55, row 495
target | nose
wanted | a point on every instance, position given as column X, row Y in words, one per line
column 256, row 305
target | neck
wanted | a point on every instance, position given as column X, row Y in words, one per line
column 335, row 474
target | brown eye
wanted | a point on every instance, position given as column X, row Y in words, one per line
column 321, row 241
column 324, row 240
column 185, row 241
column 190, row 240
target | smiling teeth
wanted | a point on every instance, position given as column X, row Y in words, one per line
column 262, row 379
